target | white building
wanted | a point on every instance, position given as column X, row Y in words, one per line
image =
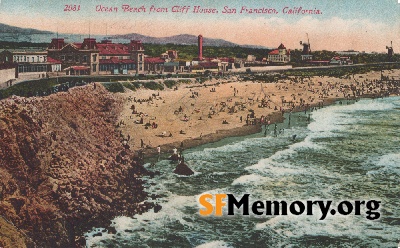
column 348, row 52
column 251, row 58
column 30, row 62
column 280, row 55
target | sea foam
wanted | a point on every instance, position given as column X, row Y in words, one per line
column 214, row 244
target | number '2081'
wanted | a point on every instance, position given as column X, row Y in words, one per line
column 72, row 7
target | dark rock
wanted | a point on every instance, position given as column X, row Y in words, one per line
column 174, row 157
column 157, row 208
column 112, row 230
column 138, row 169
column 183, row 169
column 17, row 203
column 98, row 234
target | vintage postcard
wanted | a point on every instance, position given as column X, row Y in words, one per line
column 176, row 123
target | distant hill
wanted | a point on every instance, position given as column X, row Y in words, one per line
column 17, row 34
column 181, row 39
column 4, row 28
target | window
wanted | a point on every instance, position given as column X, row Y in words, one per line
column 63, row 57
column 84, row 58
column 94, row 57
column 94, row 68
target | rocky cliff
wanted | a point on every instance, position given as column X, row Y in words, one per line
column 63, row 168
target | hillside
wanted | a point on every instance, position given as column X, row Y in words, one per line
column 182, row 39
column 4, row 28
column 63, row 168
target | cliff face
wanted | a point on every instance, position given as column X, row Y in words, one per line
column 62, row 166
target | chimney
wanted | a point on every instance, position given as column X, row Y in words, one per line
column 200, row 46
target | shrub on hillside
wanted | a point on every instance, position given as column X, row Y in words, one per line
column 132, row 86
column 153, row 86
column 170, row 83
column 114, row 87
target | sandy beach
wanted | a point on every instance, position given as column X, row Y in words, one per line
column 193, row 114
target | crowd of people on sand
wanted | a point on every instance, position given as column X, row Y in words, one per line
column 308, row 94
column 141, row 100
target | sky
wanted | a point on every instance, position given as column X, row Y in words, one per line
column 362, row 25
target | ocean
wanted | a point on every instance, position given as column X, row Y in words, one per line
column 345, row 152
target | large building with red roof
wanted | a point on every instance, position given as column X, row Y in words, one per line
column 93, row 58
column 76, row 58
column 154, row 64
column 279, row 56
column 115, row 58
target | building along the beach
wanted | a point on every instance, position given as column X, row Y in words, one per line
column 206, row 66
column 279, row 56
column 76, row 58
column 170, row 55
column 115, row 58
column 341, row 61
column 30, row 63
column 93, row 58
column 154, row 65
column 171, row 67
column 349, row 52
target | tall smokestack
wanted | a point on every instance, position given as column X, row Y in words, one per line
column 200, row 46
